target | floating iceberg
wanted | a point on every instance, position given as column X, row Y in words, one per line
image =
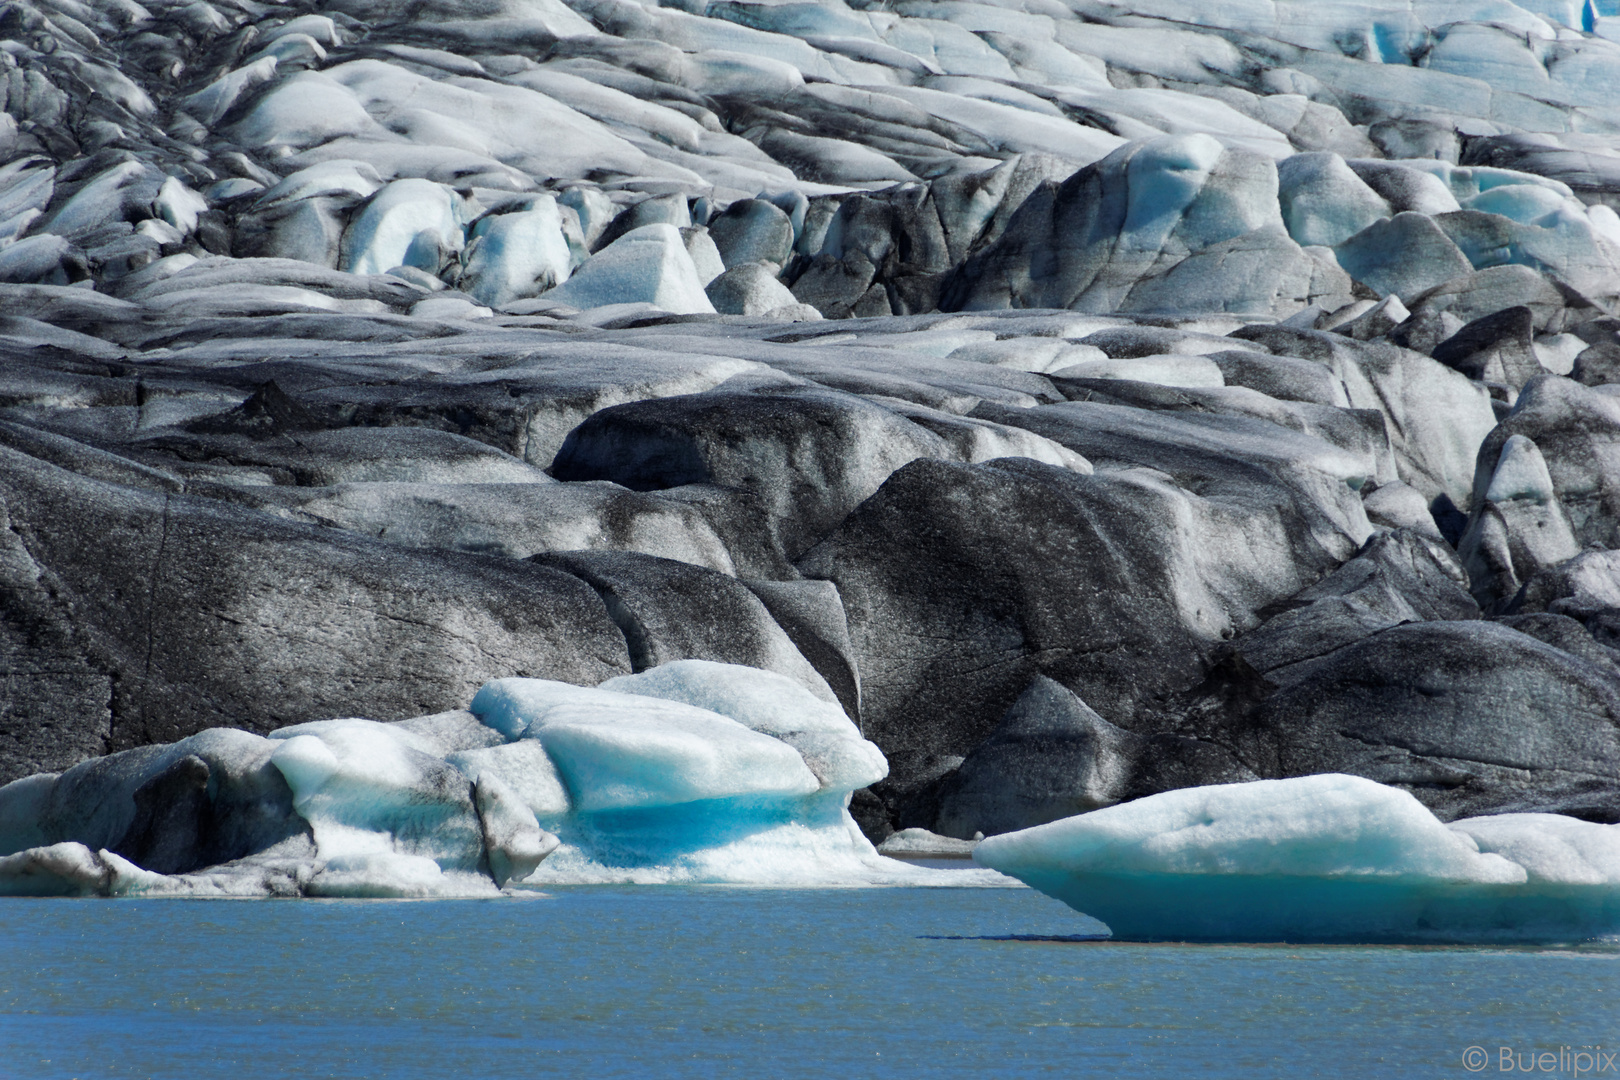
column 1320, row 859
column 694, row 771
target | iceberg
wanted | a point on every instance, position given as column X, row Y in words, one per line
column 691, row 772
column 386, row 814
column 695, row 771
column 1329, row 858
column 771, row 704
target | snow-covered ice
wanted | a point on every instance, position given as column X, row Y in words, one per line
column 413, row 223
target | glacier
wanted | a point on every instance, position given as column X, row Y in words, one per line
column 1073, row 402
column 1329, row 858
column 694, row 771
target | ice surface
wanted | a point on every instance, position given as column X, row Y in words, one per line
column 618, row 751
column 705, row 256
column 1320, row 858
column 525, row 769
column 383, row 807
column 36, row 258
column 518, row 255
column 210, row 104
column 1163, row 177
column 179, row 206
column 646, row 265
column 339, row 176
column 691, row 771
column 512, row 124
column 593, row 208
column 771, row 704
column 305, row 110
column 22, row 803
column 923, row 842
column 1553, row 849
column 408, row 223
column 1521, row 473
column 71, row 869
column 1189, row 371
column 513, row 840
column 102, row 199
column 449, row 307
column 1405, row 255
column 668, row 102
column 751, row 289
column 1324, row 201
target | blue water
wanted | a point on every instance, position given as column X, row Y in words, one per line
column 706, row 982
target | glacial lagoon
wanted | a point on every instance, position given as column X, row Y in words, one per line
column 695, row 981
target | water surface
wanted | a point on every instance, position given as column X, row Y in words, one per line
column 703, row 982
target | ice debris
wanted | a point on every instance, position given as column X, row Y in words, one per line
column 920, row 843
column 1328, row 858
column 694, row 771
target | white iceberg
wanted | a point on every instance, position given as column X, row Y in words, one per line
column 692, row 771
column 1320, row 859
column 620, row 752
column 71, row 869
column 774, row 705
column 387, row 814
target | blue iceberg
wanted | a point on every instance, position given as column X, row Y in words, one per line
column 690, row 772
column 1320, row 859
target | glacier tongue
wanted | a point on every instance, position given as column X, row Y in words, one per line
column 359, row 353
column 849, row 156
column 1329, row 858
